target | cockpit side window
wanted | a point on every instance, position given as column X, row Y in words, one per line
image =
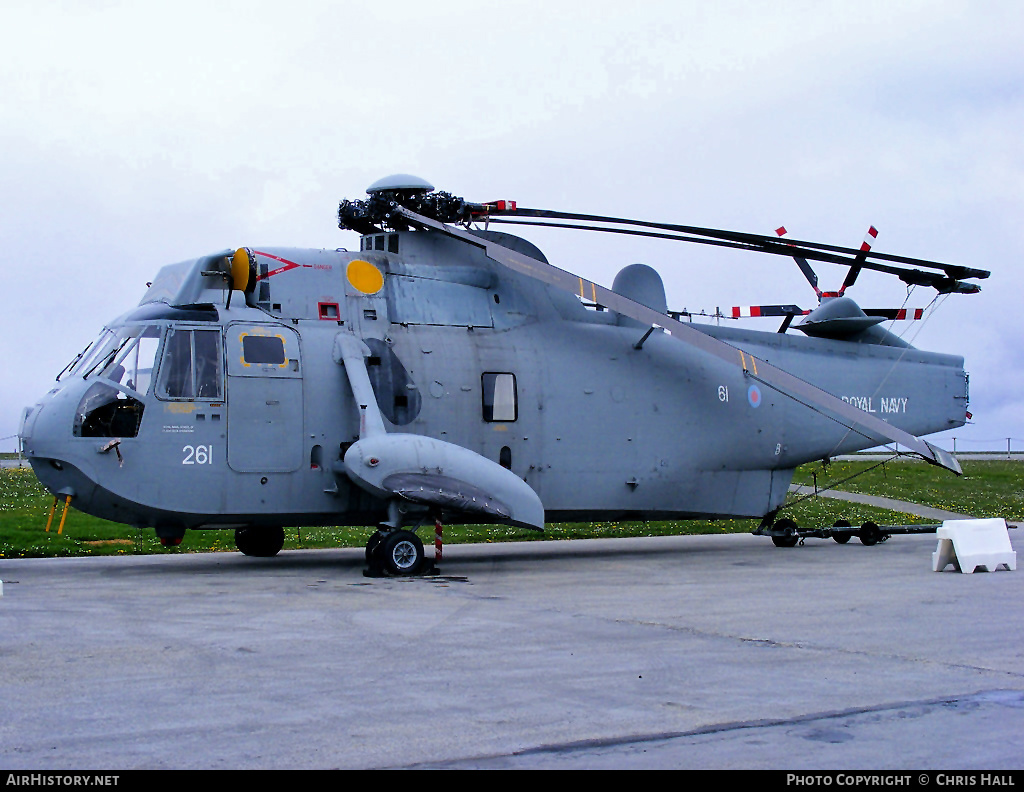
column 141, row 360
column 192, row 366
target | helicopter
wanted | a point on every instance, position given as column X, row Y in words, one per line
column 447, row 372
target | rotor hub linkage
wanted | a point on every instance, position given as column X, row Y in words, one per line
column 380, row 210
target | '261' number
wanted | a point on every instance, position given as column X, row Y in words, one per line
column 197, row 455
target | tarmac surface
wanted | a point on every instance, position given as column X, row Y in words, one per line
column 716, row 651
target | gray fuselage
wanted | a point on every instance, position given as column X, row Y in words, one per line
column 196, row 411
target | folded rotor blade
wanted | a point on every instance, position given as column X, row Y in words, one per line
column 796, row 388
column 906, row 269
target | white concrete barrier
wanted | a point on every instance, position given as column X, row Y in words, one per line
column 969, row 544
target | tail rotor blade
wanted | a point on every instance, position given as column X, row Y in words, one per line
column 805, row 268
column 862, row 255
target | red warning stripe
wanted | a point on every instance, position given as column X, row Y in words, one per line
column 288, row 265
column 914, row 314
column 744, row 311
column 747, row 311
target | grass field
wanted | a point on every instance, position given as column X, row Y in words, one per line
column 987, row 489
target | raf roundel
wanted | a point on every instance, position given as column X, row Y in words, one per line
column 754, row 396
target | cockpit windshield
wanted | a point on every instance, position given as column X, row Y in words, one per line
column 125, row 356
column 84, row 359
column 132, row 365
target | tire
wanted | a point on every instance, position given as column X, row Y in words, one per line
column 401, row 553
column 373, row 545
column 259, row 542
column 789, row 536
column 843, row 537
column 869, row 534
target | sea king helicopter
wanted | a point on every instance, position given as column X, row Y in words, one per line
column 446, row 371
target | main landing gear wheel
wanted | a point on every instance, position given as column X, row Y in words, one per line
column 789, row 536
column 843, row 536
column 401, row 553
column 259, row 542
column 395, row 553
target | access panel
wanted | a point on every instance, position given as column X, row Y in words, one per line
column 265, row 414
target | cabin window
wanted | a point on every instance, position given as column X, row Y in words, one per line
column 500, row 402
column 192, row 365
column 263, row 350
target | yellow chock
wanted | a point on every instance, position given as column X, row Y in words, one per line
column 53, row 508
column 63, row 516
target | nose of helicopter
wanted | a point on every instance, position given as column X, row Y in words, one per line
column 45, row 431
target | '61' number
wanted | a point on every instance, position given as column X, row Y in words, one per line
column 197, row 455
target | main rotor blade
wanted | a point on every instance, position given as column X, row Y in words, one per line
column 770, row 244
column 873, row 428
column 849, row 257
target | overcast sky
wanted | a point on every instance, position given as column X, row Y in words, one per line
column 135, row 134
